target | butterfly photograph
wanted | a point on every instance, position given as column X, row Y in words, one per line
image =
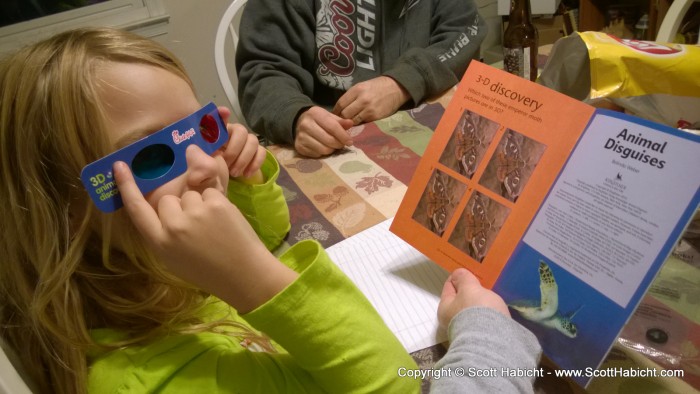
column 512, row 165
column 438, row 202
column 469, row 140
column 478, row 226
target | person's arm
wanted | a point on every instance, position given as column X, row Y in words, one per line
column 273, row 60
column 454, row 41
column 331, row 330
column 333, row 341
column 485, row 341
column 263, row 204
column 252, row 186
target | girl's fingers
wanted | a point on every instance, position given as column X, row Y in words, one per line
column 463, row 279
column 448, row 291
column 236, row 144
column 256, row 163
column 225, row 113
column 144, row 217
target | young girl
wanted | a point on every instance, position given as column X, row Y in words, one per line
column 169, row 294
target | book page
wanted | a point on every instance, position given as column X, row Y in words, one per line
column 616, row 211
column 493, row 157
column 600, row 237
column 402, row 284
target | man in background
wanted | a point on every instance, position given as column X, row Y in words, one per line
column 310, row 69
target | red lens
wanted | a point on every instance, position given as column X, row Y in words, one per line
column 209, row 129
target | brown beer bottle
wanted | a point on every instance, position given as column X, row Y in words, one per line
column 520, row 41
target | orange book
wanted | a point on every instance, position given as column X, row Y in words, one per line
column 565, row 210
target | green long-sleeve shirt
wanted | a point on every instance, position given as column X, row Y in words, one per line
column 329, row 337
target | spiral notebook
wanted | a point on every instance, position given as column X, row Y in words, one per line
column 402, row 284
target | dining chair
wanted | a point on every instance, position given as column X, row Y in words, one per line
column 673, row 19
column 225, row 45
column 11, row 381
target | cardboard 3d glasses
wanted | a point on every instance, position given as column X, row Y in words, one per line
column 156, row 159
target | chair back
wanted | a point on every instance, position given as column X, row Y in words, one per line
column 673, row 19
column 225, row 45
column 11, row 381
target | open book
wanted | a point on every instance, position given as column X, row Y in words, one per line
column 566, row 211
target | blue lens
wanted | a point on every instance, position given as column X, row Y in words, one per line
column 153, row 161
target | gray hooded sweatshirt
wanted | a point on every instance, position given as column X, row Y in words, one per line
column 294, row 54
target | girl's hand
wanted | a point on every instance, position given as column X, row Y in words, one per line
column 462, row 290
column 205, row 240
column 243, row 154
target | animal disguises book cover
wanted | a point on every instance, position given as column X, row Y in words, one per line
column 602, row 234
column 573, row 251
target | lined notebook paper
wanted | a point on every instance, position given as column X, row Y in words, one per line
column 402, row 284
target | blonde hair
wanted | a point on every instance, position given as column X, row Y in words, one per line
column 59, row 275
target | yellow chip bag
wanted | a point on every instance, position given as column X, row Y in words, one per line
column 659, row 82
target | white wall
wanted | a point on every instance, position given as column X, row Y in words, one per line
column 190, row 35
column 186, row 27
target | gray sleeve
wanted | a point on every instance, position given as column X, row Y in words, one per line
column 456, row 36
column 484, row 341
column 274, row 54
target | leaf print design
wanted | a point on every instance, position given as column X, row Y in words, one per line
column 313, row 230
column 372, row 184
column 349, row 217
column 306, row 166
column 399, row 122
column 300, row 213
column 388, row 153
column 322, row 198
column 284, row 154
column 404, row 129
column 354, row 166
column 340, row 190
column 289, row 195
column 334, row 198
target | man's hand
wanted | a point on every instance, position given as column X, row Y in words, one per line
column 462, row 290
column 371, row 100
column 320, row 133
